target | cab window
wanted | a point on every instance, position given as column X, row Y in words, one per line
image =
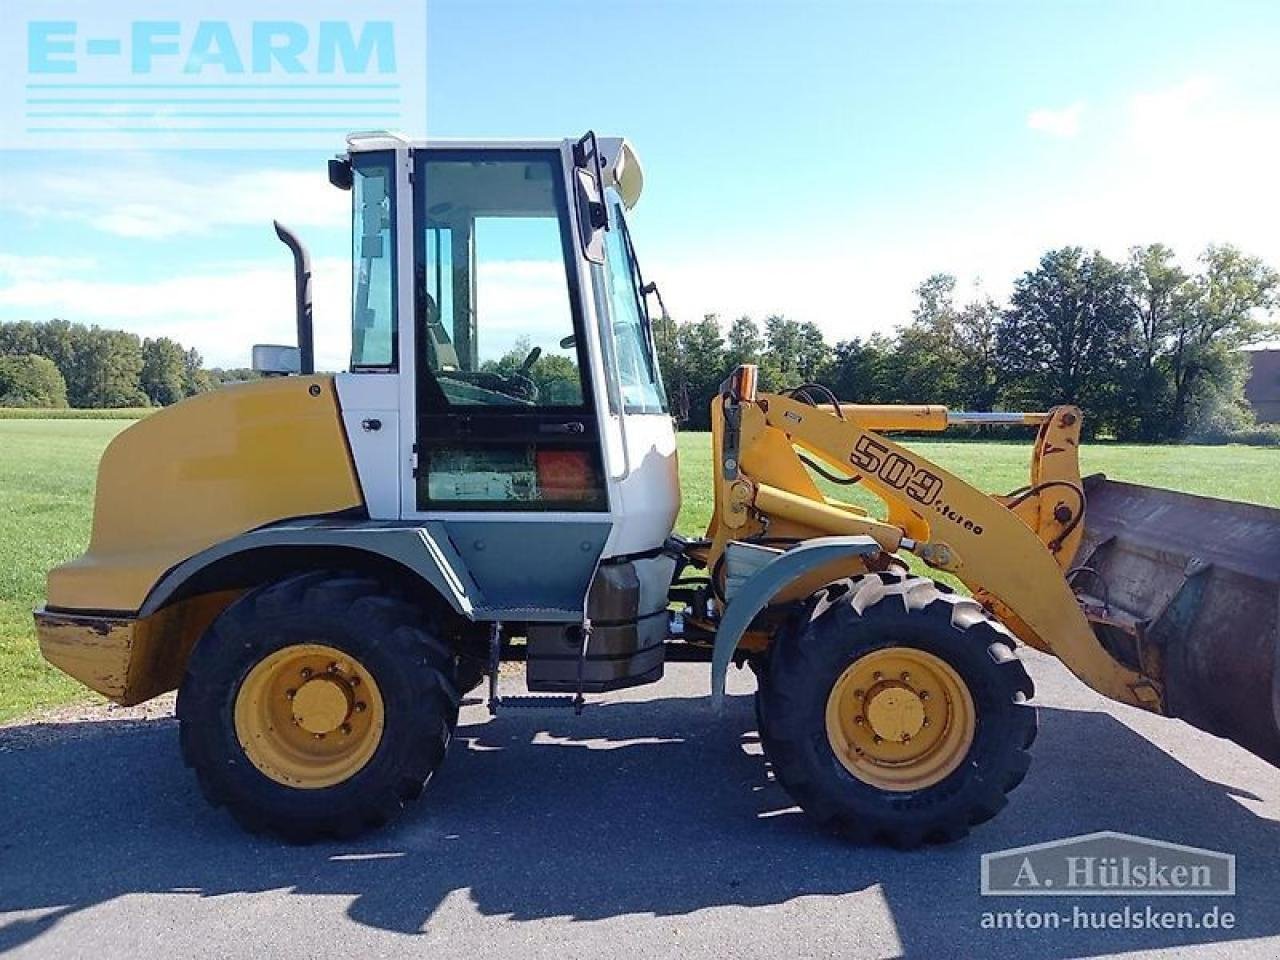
column 496, row 319
column 505, row 418
column 373, row 259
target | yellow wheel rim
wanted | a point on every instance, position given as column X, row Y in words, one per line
column 309, row 716
column 900, row 719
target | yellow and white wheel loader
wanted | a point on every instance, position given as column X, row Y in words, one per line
column 323, row 565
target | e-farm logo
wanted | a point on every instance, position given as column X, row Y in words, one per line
column 266, row 74
column 1108, row 864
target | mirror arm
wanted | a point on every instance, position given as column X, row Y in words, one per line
column 652, row 288
column 581, row 158
column 589, row 201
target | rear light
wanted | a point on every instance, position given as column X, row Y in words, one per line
column 566, row 475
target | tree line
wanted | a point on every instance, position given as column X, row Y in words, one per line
column 60, row 364
column 1151, row 351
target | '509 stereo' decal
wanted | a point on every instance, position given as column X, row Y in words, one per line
column 873, row 457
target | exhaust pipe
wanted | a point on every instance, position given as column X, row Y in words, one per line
column 302, row 296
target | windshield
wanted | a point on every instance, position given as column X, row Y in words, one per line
column 638, row 378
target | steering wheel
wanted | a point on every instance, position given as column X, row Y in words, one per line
column 522, row 381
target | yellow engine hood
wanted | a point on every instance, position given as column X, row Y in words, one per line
column 208, row 468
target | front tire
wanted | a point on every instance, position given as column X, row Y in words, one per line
column 895, row 711
column 317, row 707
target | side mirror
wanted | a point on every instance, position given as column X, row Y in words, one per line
column 340, row 174
column 273, row 360
column 593, row 215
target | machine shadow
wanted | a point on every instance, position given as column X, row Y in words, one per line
column 632, row 808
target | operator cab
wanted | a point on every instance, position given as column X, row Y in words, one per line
column 504, row 383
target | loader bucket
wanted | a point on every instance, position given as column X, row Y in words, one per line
column 1187, row 589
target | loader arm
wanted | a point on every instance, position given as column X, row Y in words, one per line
column 1012, row 552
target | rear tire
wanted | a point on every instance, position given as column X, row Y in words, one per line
column 872, row 796
column 378, row 636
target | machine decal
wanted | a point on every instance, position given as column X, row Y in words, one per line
column 872, row 456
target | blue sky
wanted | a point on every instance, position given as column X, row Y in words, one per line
column 811, row 158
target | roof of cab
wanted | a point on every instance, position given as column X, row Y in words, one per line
column 621, row 163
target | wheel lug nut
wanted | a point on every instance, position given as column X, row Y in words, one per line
column 877, row 675
column 318, row 736
column 354, row 681
column 306, row 673
column 926, row 722
column 361, row 706
column 859, row 694
column 905, row 677
column 878, row 739
column 859, row 720
column 346, row 728
column 906, row 738
column 334, row 668
column 290, row 694
column 924, row 694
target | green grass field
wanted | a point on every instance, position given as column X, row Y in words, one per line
column 47, row 470
column 73, row 413
column 1229, row 472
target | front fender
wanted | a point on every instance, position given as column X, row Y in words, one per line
column 766, row 583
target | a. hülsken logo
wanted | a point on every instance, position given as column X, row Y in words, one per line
column 1108, row 864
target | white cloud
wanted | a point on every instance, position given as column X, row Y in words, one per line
column 522, row 298
column 1064, row 123
column 148, row 200
column 1188, row 164
column 219, row 308
column 1157, row 113
column 848, row 294
column 14, row 267
column 221, row 313
column 224, row 311
column 1195, row 165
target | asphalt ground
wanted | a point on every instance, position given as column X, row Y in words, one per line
column 647, row 827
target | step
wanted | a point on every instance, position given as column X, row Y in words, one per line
column 536, row 703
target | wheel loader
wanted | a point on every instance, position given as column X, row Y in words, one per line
column 324, row 565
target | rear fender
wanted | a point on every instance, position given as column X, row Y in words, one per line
column 484, row 570
column 431, row 558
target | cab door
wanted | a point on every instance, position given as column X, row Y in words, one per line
column 506, row 429
column 506, row 417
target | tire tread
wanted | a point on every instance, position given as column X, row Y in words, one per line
column 392, row 629
column 786, row 716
